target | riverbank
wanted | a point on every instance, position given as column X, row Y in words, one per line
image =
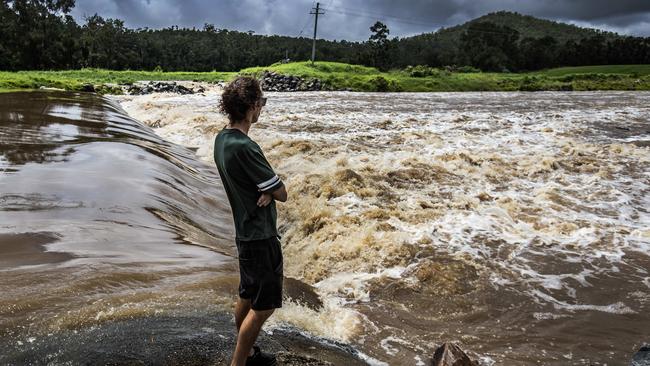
column 196, row 339
column 340, row 76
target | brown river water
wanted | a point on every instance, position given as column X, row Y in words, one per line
column 516, row 224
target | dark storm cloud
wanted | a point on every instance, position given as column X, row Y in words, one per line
column 350, row 19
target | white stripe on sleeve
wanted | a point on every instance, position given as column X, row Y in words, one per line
column 268, row 183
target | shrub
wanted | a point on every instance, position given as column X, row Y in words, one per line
column 530, row 83
column 467, row 69
column 380, row 84
column 421, row 71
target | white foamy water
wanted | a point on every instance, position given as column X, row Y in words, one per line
column 529, row 201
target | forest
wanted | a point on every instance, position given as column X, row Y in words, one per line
column 42, row 35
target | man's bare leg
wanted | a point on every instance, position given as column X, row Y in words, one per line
column 248, row 332
column 241, row 310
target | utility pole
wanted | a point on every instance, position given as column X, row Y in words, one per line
column 316, row 11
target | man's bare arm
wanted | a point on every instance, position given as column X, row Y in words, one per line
column 280, row 194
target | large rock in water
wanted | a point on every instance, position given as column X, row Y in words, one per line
column 271, row 81
column 450, row 354
column 157, row 87
column 642, row 358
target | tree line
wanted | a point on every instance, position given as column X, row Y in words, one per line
column 493, row 47
column 41, row 34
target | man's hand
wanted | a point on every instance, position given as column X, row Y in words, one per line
column 264, row 200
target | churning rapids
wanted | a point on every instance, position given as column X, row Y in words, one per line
column 516, row 224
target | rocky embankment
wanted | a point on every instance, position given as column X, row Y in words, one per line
column 150, row 87
column 197, row 340
column 160, row 87
column 272, row 81
column 269, row 81
column 202, row 339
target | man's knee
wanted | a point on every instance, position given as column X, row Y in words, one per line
column 262, row 315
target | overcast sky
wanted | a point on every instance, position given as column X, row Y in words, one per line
column 350, row 19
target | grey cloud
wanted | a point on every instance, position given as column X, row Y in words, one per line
column 351, row 19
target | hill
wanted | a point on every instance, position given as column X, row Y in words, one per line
column 528, row 27
column 511, row 41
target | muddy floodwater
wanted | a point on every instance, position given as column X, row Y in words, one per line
column 515, row 224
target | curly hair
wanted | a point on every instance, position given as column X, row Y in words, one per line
column 239, row 97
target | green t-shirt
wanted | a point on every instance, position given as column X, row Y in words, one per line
column 246, row 174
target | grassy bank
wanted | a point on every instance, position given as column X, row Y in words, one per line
column 359, row 78
column 638, row 70
column 339, row 76
column 104, row 80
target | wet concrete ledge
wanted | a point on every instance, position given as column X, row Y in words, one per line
column 20, row 249
column 197, row 339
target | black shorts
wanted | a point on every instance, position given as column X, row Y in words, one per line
column 260, row 272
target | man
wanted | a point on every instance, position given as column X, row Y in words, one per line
column 252, row 188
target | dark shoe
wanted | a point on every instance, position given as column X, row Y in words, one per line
column 260, row 358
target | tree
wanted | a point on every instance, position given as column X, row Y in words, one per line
column 490, row 47
column 379, row 45
column 538, row 53
column 34, row 33
column 40, row 27
column 7, row 38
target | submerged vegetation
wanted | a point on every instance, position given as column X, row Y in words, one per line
column 340, row 76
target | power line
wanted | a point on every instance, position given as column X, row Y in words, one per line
column 378, row 17
column 371, row 14
column 307, row 22
column 376, row 13
column 304, row 27
column 328, row 5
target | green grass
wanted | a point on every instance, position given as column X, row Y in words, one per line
column 639, row 70
column 319, row 69
column 5, row 90
column 340, row 76
column 75, row 79
column 337, row 75
column 359, row 78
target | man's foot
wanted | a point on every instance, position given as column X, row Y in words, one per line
column 260, row 358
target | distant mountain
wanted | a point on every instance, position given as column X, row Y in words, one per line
column 511, row 41
column 527, row 26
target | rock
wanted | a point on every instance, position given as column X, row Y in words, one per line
column 289, row 359
column 642, row 358
column 202, row 338
column 449, row 354
column 302, row 293
column 158, row 87
column 88, row 88
column 42, row 87
column 272, row 81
